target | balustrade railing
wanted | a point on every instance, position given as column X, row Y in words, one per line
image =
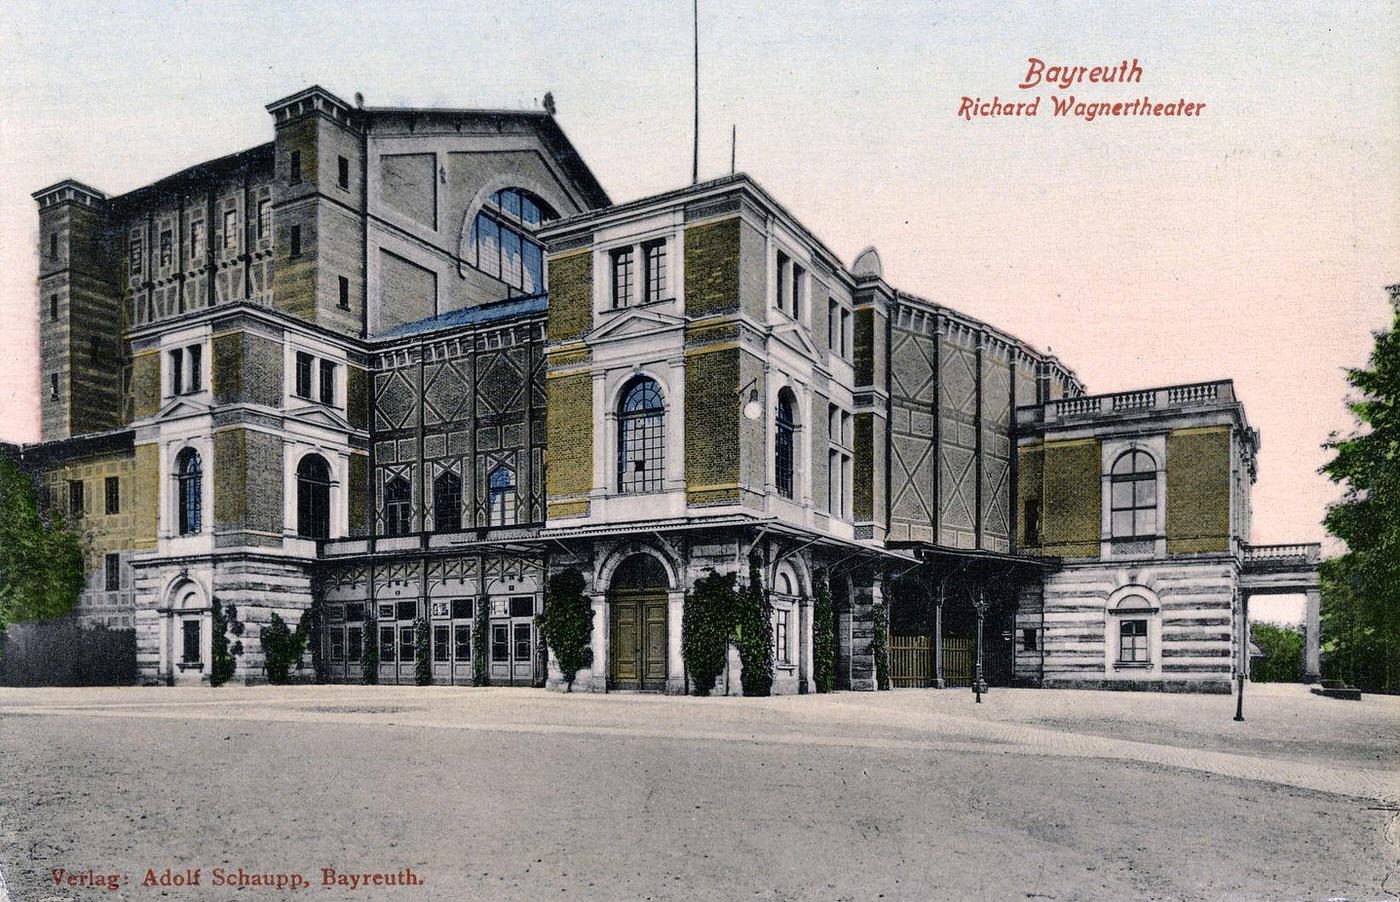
column 1297, row 552
column 1146, row 399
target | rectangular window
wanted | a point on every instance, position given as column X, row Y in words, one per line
column 53, row 306
column 230, row 229
column 784, row 268
column 196, row 239
column 196, row 380
column 405, row 643
column 343, row 172
column 462, row 609
column 833, row 325
column 53, row 385
column 500, row 643
column 1132, row 642
column 112, row 571
column 654, row 257
column 798, row 282
column 1029, row 639
column 177, row 372
column 406, row 610
column 354, row 642
column 75, row 497
column 264, row 218
column 53, row 245
column 622, row 277
column 343, row 284
column 441, row 649
column 189, row 631
column 782, row 651
column 337, row 644
column 294, row 168
column 488, row 241
column 167, row 247
column 327, row 382
column 136, row 252
column 462, row 639
column 112, row 489
column 303, row 375
column 294, row 250
column 1031, row 536
column 355, row 612
column 532, row 263
column 522, row 642
column 522, row 606
column 846, row 339
column 386, row 644
column 510, row 256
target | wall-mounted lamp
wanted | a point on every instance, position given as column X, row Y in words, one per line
column 753, row 407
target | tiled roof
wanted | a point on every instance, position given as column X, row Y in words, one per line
column 467, row 316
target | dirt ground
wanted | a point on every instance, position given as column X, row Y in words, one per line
column 507, row 794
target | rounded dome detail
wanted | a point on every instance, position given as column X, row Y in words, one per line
column 868, row 264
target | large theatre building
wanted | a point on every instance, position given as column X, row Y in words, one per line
column 396, row 367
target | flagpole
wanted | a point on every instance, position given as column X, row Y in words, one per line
column 695, row 150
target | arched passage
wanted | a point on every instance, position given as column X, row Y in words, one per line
column 639, row 627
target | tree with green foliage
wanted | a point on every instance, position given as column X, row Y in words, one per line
column 880, row 644
column 1361, row 588
column 369, row 653
column 422, row 651
column 41, row 560
column 754, row 625
column 1281, row 660
column 823, row 637
column 707, row 620
column 481, row 674
column 281, row 648
column 222, row 666
column 566, row 626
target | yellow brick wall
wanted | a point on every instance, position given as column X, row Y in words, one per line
column 570, row 295
column 1198, row 490
column 712, row 267
column 1070, row 509
column 133, row 526
column 568, row 443
column 145, row 383
column 712, row 442
column 1030, row 486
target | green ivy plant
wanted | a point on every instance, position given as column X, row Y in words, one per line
column 222, row 666
column 481, row 675
column 823, row 637
column 755, row 635
column 566, row 626
column 880, row 645
column 707, row 620
column 369, row 652
column 422, row 652
column 41, row 561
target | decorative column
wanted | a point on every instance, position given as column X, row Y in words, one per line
column 600, row 642
column 804, row 645
column 1312, row 625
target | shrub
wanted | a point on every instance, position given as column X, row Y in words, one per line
column 755, row 630
column 707, row 619
column 481, row 675
column 281, row 649
column 1283, row 654
column 823, row 638
column 566, row 626
column 880, row 645
column 369, row 651
column 422, row 652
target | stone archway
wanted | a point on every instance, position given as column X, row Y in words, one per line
column 639, row 628
column 188, row 632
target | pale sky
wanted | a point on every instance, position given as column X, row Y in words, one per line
column 1253, row 242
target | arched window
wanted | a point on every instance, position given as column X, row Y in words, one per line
column 447, row 502
column 501, row 241
column 189, row 495
column 398, row 507
column 1133, row 613
column 641, row 437
column 500, row 497
column 784, row 441
column 1133, row 498
column 313, row 498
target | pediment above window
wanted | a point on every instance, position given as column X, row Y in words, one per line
column 634, row 324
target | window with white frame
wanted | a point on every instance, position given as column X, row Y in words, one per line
column 1133, row 496
column 654, row 260
column 189, row 492
column 313, row 497
column 501, row 497
column 185, row 370
column 784, row 443
column 791, row 279
column 315, row 378
column 641, row 437
column 782, row 635
column 623, row 275
column 1130, row 629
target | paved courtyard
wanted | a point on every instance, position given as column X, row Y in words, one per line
column 506, row 794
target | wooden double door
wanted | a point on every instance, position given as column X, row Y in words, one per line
column 639, row 640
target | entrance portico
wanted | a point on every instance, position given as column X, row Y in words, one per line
column 1288, row 570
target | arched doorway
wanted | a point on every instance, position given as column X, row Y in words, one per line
column 637, row 604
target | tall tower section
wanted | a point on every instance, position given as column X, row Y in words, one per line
column 82, row 322
column 318, row 210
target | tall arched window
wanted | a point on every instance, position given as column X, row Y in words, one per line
column 1133, row 498
column 641, row 437
column 447, row 502
column 784, row 441
column 313, row 497
column 500, row 497
column 501, row 241
column 189, row 495
column 398, row 507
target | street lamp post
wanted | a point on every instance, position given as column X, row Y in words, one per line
column 979, row 602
